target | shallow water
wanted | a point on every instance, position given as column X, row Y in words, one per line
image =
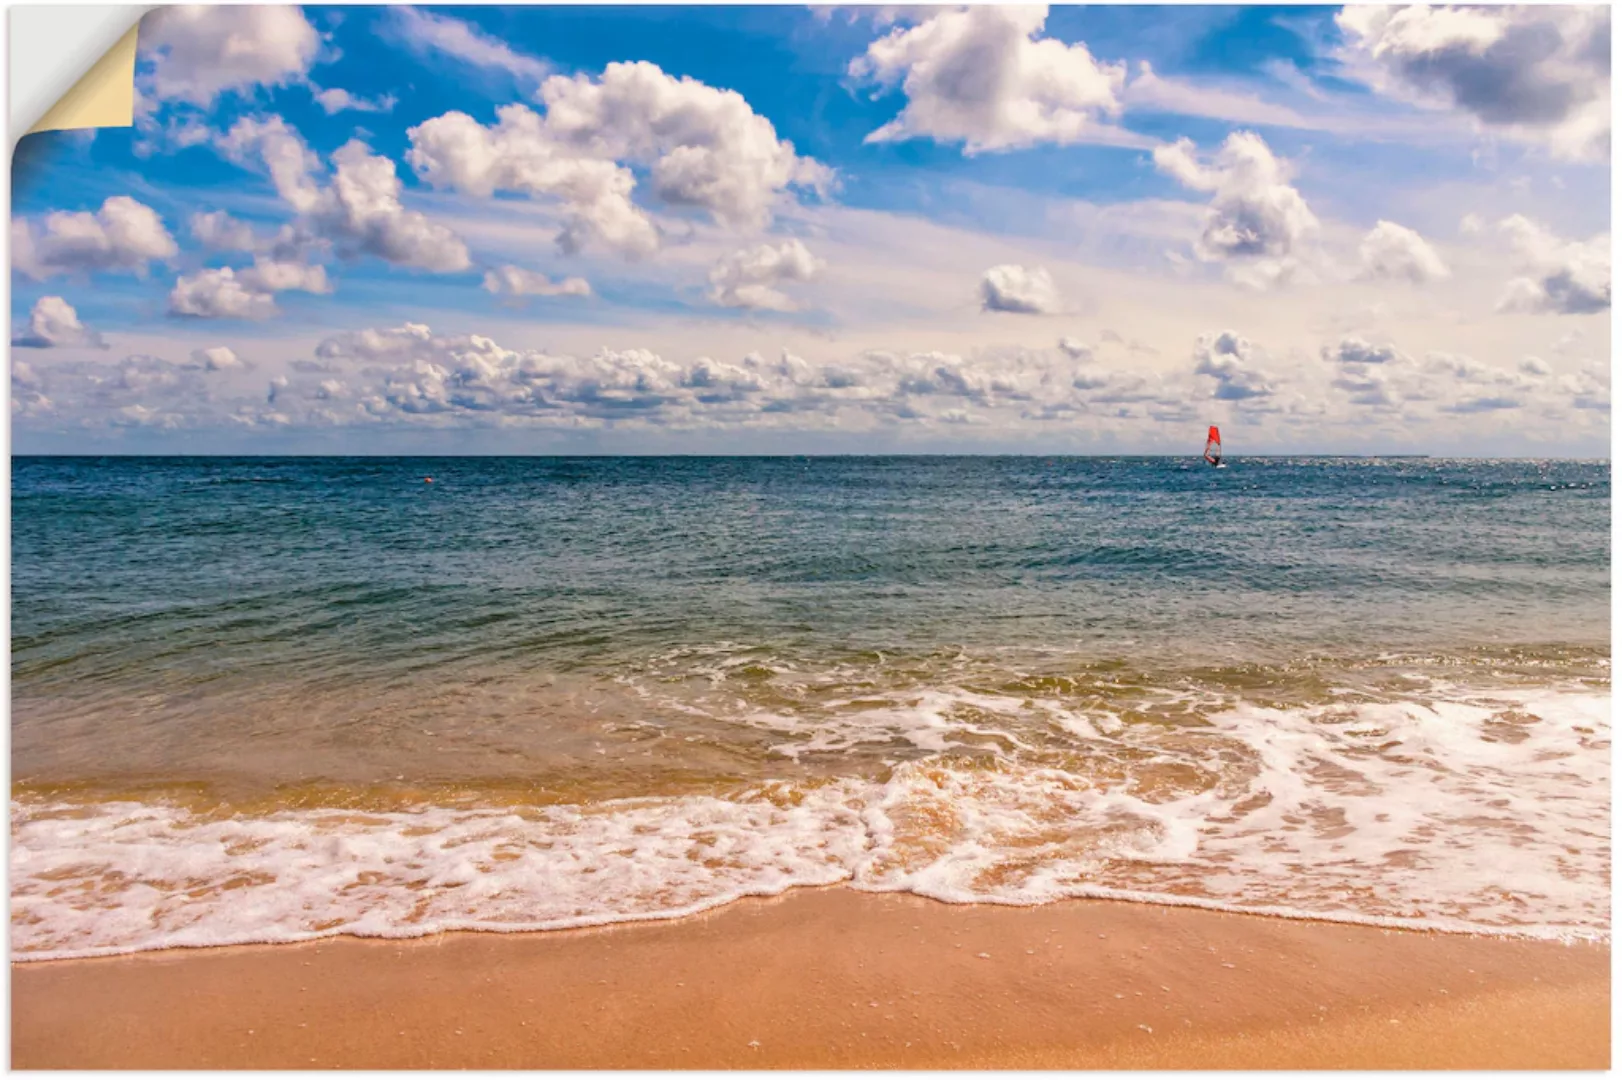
column 265, row 699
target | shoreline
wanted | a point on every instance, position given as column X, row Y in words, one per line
column 836, row 978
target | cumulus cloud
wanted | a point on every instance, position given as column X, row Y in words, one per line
column 1589, row 388
column 429, row 375
column 409, row 374
column 1469, row 386
column 1352, row 349
column 362, row 210
column 1558, row 277
column 219, row 231
column 460, row 40
column 1370, row 374
column 28, row 398
column 1075, row 348
column 1026, row 290
column 984, row 77
column 1255, row 216
column 1231, row 361
column 219, row 294
column 519, row 154
column 224, row 293
column 1393, row 252
column 271, row 144
column 1370, row 387
column 702, row 148
column 516, row 281
column 53, row 324
column 218, row 358
column 335, row 100
column 137, row 391
column 195, row 53
column 358, row 209
column 1534, row 72
column 124, row 235
column 749, row 278
column 1382, row 377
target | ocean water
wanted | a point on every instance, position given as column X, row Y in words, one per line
column 274, row 699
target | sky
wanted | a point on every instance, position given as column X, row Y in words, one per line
column 997, row 229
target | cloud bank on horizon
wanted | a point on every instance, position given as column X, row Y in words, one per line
column 513, row 229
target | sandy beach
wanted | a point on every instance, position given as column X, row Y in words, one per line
column 834, row 978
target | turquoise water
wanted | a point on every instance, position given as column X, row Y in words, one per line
column 1345, row 687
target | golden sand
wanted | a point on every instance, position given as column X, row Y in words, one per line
column 834, row 978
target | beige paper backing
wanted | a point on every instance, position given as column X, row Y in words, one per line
column 105, row 97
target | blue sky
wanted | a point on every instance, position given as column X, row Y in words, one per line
column 782, row 229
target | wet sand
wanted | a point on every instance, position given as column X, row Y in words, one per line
column 833, row 978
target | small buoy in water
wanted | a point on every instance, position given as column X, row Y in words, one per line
column 428, row 479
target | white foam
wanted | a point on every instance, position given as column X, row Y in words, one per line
column 1457, row 811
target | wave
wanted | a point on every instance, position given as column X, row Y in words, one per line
column 1450, row 809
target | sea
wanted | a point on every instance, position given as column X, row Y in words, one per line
column 276, row 699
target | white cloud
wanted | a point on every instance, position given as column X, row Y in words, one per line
column 1370, row 375
column 1369, row 387
column 1352, row 349
column 984, row 77
column 219, row 231
column 1075, row 348
column 225, row 293
column 463, row 41
column 1590, row 388
column 1473, row 387
column 1570, row 343
column 518, row 153
column 198, row 52
column 702, row 148
column 28, row 398
column 1155, row 93
column 1254, row 215
column 1559, row 277
column 143, row 391
column 273, row 276
column 408, row 373
column 1231, row 361
column 123, row 235
column 1541, row 73
column 516, row 281
column 1383, row 377
column 335, row 100
column 271, row 144
column 1026, row 290
column 1397, row 253
column 53, row 324
column 219, row 294
column 747, row 278
column 409, row 377
column 362, row 210
column 218, row 358
column 359, row 209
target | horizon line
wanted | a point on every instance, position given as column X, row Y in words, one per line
column 756, row 456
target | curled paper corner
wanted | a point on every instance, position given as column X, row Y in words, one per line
column 104, row 97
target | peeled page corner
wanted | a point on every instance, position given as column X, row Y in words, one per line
column 104, row 96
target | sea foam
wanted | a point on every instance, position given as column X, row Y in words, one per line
column 1453, row 810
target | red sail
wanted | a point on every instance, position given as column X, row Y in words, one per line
column 1213, row 446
